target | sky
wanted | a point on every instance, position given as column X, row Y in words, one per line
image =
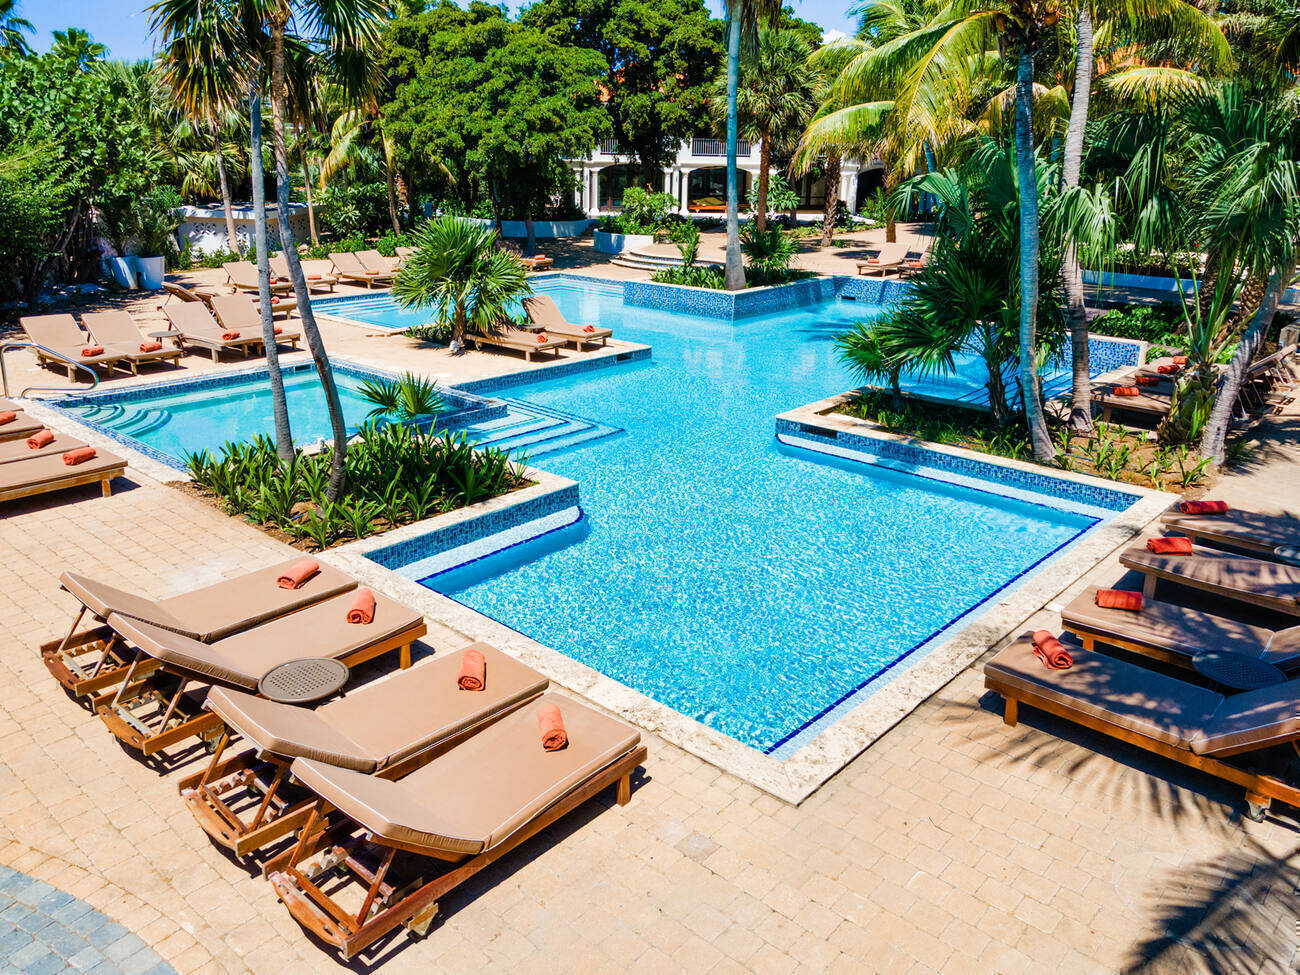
column 123, row 26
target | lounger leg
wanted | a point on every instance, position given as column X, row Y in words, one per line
column 1149, row 587
column 1256, row 806
column 107, row 487
column 406, row 656
column 75, row 623
column 1012, row 712
column 625, row 789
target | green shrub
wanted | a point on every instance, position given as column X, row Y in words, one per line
column 696, row 276
column 436, row 333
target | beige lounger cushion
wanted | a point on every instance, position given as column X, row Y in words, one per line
column 34, row 471
column 243, row 314
column 479, row 793
column 17, row 450
column 214, row 611
column 1177, row 629
column 1110, row 690
column 1243, row 527
column 318, row 630
column 1270, row 584
column 118, row 332
column 385, row 721
column 517, row 338
column 1253, row 720
column 23, row 425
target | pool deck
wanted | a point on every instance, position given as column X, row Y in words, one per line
column 953, row 844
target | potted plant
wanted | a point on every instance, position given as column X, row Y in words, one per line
column 150, row 229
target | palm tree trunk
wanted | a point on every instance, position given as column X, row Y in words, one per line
column 311, row 333
column 306, row 183
column 832, row 197
column 1215, row 437
column 735, row 272
column 764, row 179
column 1044, row 449
column 1077, row 315
column 232, row 238
column 392, row 198
column 279, row 406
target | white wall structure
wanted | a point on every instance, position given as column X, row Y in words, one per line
column 205, row 227
column 699, row 162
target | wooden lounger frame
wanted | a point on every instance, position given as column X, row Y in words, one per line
column 84, row 678
column 1261, row 789
column 516, row 346
column 1151, row 575
column 1090, row 638
column 387, row 905
column 210, row 794
column 102, row 477
column 181, row 717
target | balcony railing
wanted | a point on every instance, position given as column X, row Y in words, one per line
column 717, row 147
column 610, row 147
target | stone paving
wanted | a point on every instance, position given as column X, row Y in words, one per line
column 954, row 844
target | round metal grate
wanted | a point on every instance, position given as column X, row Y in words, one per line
column 299, row 681
column 1236, row 670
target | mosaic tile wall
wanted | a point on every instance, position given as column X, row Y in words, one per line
column 905, row 453
column 513, row 380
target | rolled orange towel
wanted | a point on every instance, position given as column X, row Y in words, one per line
column 79, row 456
column 1050, row 651
column 1202, row 507
column 1170, row 545
column 372, row 272
column 298, row 573
column 313, row 277
column 275, row 301
column 230, row 336
column 1119, row 599
column 1169, row 370
column 473, row 671
column 539, row 257
column 589, row 328
column 1147, row 380
column 8, row 416
column 1180, row 360
column 362, row 609
column 551, row 723
column 542, row 337
column 276, row 330
column 1126, row 391
column 40, row 438
column 93, row 350
column 150, row 346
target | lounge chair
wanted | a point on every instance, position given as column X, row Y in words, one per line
column 116, row 331
column 516, row 338
column 449, row 819
column 61, row 334
column 244, row 276
column 40, row 475
column 202, row 295
column 889, row 258
column 1154, row 404
column 707, row 204
column 404, row 252
column 316, row 273
column 376, row 729
column 913, row 266
column 195, row 326
column 16, row 450
column 158, row 711
column 1247, row 530
column 22, row 426
column 372, row 260
column 543, row 312
column 1174, row 634
column 538, row 262
column 239, row 313
column 88, row 661
column 1269, row 585
column 349, row 268
column 1159, row 714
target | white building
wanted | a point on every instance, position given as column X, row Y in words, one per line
column 699, row 174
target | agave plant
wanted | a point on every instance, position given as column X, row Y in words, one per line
column 406, row 398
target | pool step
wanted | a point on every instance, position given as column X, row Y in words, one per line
column 531, row 430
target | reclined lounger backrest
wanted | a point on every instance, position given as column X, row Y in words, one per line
column 1251, row 721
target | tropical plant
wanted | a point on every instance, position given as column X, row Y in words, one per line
column 409, row 397
column 12, row 29
column 767, row 251
column 459, row 271
column 77, row 47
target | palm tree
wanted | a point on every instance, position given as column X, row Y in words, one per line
column 459, row 271
column 75, row 45
column 12, row 29
column 742, row 24
column 347, row 147
column 778, row 93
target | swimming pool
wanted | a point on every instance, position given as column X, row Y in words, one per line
column 756, row 588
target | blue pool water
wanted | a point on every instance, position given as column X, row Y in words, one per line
column 751, row 586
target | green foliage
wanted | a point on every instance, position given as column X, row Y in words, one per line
column 389, row 242
column 779, row 195
column 695, row 276
column 1158, row 324
column 458, row 271
column 149, row 228
column 34, row 200
column 767, row 251
column 408, row 397
column 643, row 213
column 488, row 107
column 352, row 209
column 660, row 60
column 396, row 475
column 435, row 333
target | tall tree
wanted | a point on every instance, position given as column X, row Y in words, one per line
column 78, row 47
column 778, row 93
column 12, row 29
column 660, row 58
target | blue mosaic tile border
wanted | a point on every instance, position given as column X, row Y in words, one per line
column 530, row 376
column 47, row 930
column 1106, row 354
column 475, row 529
column 728, row 305
column 876, row 290
column 476, row 408
column 1056, row 487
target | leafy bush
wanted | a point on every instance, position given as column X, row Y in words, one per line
column 409, row 397
column 149, row 227
column 389, row 242
column 353, row 209
column 769, row 250
column 780, row 197
column 436, row 333
column 395, row 475
column 643, row 213
column 696, row 276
